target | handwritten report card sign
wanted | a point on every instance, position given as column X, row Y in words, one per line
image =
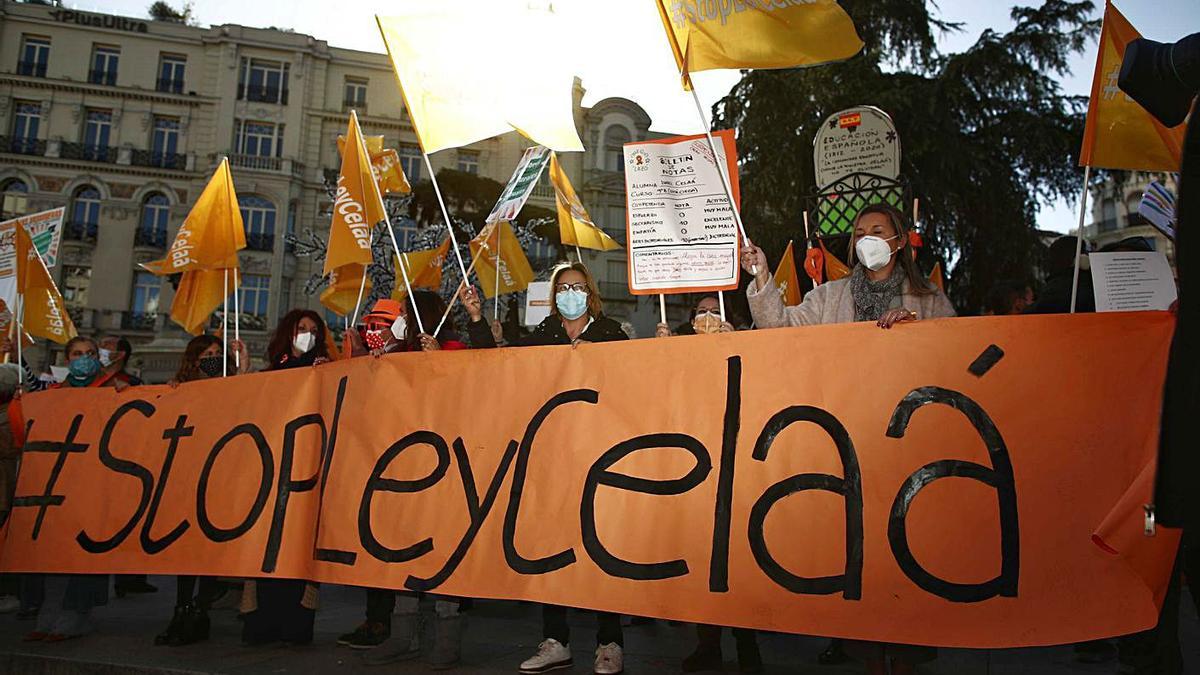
column 682, row 235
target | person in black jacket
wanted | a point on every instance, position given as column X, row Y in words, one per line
column 576, row 316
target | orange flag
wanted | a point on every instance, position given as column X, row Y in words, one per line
column 575, row 226
column 357, row 206
column 212, row 233
column 834, row 269
column 341, row 296
column 935, row 277
column 787, row 280
column 45, row 315
column 200, row 293
column 1119, row 133
column 424, row 269
column 514, row 270
column 385, row 165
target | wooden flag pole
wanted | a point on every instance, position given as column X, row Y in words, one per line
column 403, row 258
column 496, row 295
column 712, row 145
column 237, row 320
column 437, row 190
column 807, row 235
column 225, row 322
column 1087, row 174
column 454, row 297
column 18, row 319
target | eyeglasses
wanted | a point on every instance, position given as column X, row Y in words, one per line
column 577, row 286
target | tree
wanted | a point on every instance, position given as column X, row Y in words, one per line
column 161, row 11
column 987, row 134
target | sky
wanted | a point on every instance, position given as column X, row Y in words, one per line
column 620, row 49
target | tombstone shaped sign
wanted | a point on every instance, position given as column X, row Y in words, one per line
column 857, row 140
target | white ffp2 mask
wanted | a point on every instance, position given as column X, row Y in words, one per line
column 873, row 252
column 303, row 342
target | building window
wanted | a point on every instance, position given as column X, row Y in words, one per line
column 1108, row 218
column 104, row 65
column 258, row 217
column 152, row 230
column 254, row 291
column 468, row 161
column 263, row 81
column 146, row 287
column 407, row 231
column 96, row 133
column 12, row 198
column 35, row 54
column 76, row 281
column 170, row 73
column 615, row 138
column 166, row 138
column 410, row 162
column 259, row 139
column 85, row 215
column 26, row 120
column 356, row 93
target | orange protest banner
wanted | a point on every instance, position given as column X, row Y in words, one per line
column 951, row 499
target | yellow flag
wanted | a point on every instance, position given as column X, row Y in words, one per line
column 424, row 269
column 515, row 272
column 834, row 269
column 45, row 315
column 357, row 205
column 342, row 294
column 385, row 165
column 200, row 293
column 935, row 277
column 1119, row 133
column 707, row 34
column 211, row 234
column 787, row 280
column 575, row 227
column 457, row 96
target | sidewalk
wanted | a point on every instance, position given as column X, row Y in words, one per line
column 499, row 636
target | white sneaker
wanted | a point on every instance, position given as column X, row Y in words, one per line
column 9, row 604
column 551, row 655
column 610, row 659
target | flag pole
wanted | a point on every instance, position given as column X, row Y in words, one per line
column 721, row 300
column 454, row 297
column 578, row 254
column 712, row 145
column 18, row 318
column 662, row 307
column 402, row 258
column 237, row 320
column 225, row 322
column 1087, row 173
column 807, row 236
column 362, row 286
column 437, row 190
column 496, row 295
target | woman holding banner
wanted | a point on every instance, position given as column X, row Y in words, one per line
column 576, row 316
column 884, row 286
column 202, row 359
column 283, row 610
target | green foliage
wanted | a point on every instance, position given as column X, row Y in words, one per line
column 987, row 134
column 161, row 11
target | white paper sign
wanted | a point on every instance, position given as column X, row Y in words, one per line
column 537, row 302
column 1132, row 281
column 521, row 185
column 1158, row 208
column 682, row 235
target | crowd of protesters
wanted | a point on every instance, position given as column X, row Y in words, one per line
column 885, row 286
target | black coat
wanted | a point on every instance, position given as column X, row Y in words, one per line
column 549, row 332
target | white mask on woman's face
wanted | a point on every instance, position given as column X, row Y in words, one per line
column 399, row 326
column 873, row 252
column 304, row 342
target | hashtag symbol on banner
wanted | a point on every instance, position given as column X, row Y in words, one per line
column 677, row 16
column 1111, row 89
column 64, row 450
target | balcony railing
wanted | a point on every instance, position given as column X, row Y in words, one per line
column 31, row 68
column 260, row 241
column 263, row 94
column 85, row 232
column 162, row 160
column 256, row 162
column 171, row 86
column 246, row 321
column 150, row 237
column 139, row 321
column 354, row 104
column 89, row 153
column 22, row 146
column 107, row 77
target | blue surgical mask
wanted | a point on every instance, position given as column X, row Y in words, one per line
column 571, row 304
column 83, row 370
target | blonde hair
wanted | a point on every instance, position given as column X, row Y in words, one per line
column 595, row 306
column 917, row 283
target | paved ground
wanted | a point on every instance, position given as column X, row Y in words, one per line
column 499, row 636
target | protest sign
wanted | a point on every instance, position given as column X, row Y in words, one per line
column 45, row 228
column 920, row 506
column 520, row 186
column 857, row 140
column 537, row 302
column 1131, row 281
column 681, row 232
column 1158, row 208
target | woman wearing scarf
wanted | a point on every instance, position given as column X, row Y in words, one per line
column 884, row 286
column 202, row 360
column 79, row 592
column 283, row 610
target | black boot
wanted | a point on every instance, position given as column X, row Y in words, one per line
column 173, row 628
column 708, row 650
column 833, row 654
column 194, row 628
column 749, row 658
